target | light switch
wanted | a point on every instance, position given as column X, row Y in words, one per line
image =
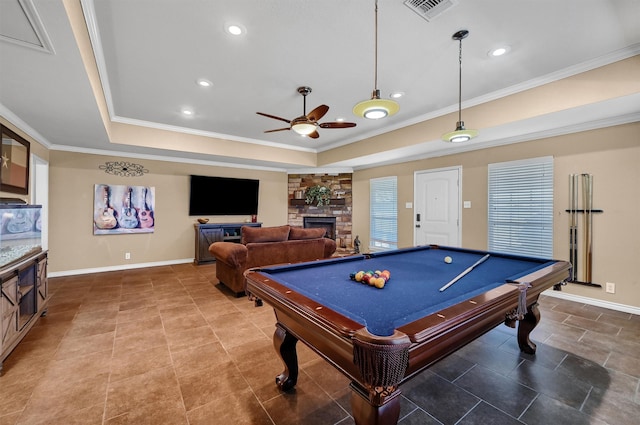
column 467, row 204
column 408, row 205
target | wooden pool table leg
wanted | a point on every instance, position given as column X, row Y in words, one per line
column 285, row 345
column 366, row 413
column 526, row 325
column 382, row 362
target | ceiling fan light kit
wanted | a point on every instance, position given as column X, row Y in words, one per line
column 303, row 128
column 460, row 134
column 307, row 124
column 376, row 108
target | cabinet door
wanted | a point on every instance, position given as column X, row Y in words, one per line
column 205, row 238
column 9, row 305
column 42, row 283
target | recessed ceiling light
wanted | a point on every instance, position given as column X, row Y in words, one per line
column 235, row 29
column 499, row 51
column 187, row 112
column 203, row 82
column 396, row 94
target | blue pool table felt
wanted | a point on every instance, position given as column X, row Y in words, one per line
column 417, row 274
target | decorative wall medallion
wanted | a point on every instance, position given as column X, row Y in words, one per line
column 123, row 169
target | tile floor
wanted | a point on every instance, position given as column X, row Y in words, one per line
column 167, row 345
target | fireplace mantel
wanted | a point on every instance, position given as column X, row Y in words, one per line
column 303, row 203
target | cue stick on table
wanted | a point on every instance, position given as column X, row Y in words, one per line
column 464, row 273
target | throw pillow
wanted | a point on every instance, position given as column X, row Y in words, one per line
column 309, row 233
column 264, row 234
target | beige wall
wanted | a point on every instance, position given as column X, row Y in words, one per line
column 72, row 245
column 611, row 155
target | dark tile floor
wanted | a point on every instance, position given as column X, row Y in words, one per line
column 167, row 345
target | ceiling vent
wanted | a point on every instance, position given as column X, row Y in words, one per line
column 430, row 9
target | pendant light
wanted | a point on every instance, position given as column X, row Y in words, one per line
column 376, row 108
column 460, row 134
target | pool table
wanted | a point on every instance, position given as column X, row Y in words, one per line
column 380, row 338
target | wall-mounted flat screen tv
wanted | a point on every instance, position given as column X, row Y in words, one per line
column 223, row 196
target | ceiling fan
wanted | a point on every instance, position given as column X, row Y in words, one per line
column 307, row 124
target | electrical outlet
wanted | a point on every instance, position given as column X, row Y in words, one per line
column 610, row 288
column 127, row 256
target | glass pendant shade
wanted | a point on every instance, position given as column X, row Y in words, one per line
column 460, row 134
column 376, row 108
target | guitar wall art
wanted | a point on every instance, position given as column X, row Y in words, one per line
column 119, row 209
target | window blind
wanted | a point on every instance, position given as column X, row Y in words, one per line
column 383, row 213
column 521, row 207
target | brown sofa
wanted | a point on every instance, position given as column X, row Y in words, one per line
column 263, row 246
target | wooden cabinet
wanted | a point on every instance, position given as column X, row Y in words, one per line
column 208, row 233
column 24, row 294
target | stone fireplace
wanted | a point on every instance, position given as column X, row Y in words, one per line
column 338, row 210
column 327, row 223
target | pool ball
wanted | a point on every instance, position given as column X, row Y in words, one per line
column 448, row 259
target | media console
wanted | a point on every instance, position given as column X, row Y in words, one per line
column 208, row 233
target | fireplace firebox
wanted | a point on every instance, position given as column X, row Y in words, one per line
column 327, row 223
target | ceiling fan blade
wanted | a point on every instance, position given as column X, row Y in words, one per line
column 278, row 129
column 337, row 124
column 313, row 135
column 318, row 113
column 273, row 116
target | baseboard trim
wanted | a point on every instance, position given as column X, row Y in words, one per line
column 118, row 268
column 592, row 301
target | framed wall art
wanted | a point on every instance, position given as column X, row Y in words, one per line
column 14, row 171
column 122, row 209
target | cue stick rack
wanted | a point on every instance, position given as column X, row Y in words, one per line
column 587, row 211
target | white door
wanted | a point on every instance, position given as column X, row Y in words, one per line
column 437, row 207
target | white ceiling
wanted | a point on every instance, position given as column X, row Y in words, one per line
column 151, row 52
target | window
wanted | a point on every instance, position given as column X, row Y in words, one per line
column 521, row 207
column 383, row 211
